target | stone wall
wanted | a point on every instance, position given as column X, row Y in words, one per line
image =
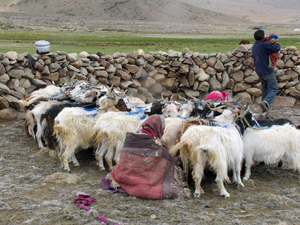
column 172, row 73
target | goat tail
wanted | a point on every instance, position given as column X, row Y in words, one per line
column 98, row 138
column 30, row 116
column 56, row 130
column 214, row 158
column 24, row 103
column 91, row 136
column 26, row 129
column 183, row 146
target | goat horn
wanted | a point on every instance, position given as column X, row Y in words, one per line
column 110, row 90
column 244, row 112
column 237, row 110
column 216, row 109
column 97, row 92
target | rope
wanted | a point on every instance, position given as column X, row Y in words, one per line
column 83, row 201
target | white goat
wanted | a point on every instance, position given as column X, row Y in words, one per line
column 270, row 145
column 175, row 127
column 186, row 109
column 83, row 93
column 218, row 147
column 111, row 128
column 72, row 129
column 43, row 92
column 171, row 110
column 102, row 144
column 115, row 132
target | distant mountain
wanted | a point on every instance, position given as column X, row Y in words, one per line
column 126, row 10
column 147, row 15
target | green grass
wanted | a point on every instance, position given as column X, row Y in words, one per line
column 110, row 42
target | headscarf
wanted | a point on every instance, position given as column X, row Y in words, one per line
column 216, row 95
column 153, row 125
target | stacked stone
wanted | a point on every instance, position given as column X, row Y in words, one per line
column 173, row 73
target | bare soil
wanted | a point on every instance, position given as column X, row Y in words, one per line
column 271, row 196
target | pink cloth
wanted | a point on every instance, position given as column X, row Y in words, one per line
column 216, row 95
column 84, row 200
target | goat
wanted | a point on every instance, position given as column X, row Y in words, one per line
column 218, row 147
column 102, row 144
column 33, row 118
column 49, row 116
column 72, row 129
column 174, row 130
column 116, row 131
column 175, row 127
column 271, row 145
column 43, row 92
column 171, row 110
column 186, row 109
column 155, row 108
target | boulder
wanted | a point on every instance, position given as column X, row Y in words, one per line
column 11, row 55
column 62, row 178
column 123, row 74
column 244, row 98
column 72, row 57
column 238, row 76
column 16, row 73
column 2, row 69
column 214, row 84
column 8, row 114
column 254, row 91
column 3, row 103
column 283, row 101
column 4, row 89
column 13, row 102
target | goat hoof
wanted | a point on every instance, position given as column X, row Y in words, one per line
column 196, row 195
column 225, row 195
column 69, row 171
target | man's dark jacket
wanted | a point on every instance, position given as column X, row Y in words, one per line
column 260, row 54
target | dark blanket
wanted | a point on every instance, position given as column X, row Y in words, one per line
column 147, row 170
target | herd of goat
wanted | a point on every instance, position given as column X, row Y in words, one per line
column 206, row 134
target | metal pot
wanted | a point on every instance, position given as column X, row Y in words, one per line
column 42, row 47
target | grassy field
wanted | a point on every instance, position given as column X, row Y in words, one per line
column 110, row 42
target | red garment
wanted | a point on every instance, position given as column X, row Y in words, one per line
column 139, row 177
column 216, row 95
column 274, row 56
column 147, row 170
column 153, row 126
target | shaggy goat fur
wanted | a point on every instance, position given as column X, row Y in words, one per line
column 217, row 147
column 72, row 130
column 115, row 132
column 270, row 145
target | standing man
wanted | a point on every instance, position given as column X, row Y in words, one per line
column 260, row 54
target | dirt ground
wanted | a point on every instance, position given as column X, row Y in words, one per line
column 272, row 196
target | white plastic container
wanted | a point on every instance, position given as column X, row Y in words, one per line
column 42, row 47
